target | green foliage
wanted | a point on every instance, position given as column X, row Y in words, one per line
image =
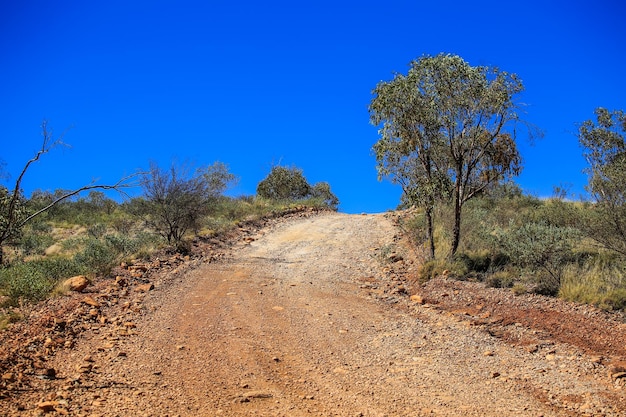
column 283, row 183
column 98, row 257
column 289, row 184
column 604, row 144
column 438, row 267
column 177, row 200
column 600, row 281
column 35, row 243
column 442, row 134
column 321, row 191
column 12, row 214
column 34, row 280
column 501, row 279
column 539, row 249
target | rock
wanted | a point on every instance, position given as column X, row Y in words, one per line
column 121, row 281
column 47, row 406
column 416, row 298
column 91, row 302
column 77, row 283
column 532, row 348
column 144, row 287
column 84, row 368
column 618, row 375
column 488, row 353
column 394, row 257
column 8, row 377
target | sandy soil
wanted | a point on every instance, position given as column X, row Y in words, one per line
column 311, row 316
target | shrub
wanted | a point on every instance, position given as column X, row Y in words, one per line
column 34, row 280
column 438, row 267
column 284, row 183
column 597, row 283
column 539, row 249
column 289, row 184
column 35, row 243
column 500, row 279
column 98, row 257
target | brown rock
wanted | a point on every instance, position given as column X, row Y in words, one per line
column 91, row 302
column 47, row 406
column 9, row 377
column 144, row 287
column 121, row 281
column 416, row 298
column 77, row 283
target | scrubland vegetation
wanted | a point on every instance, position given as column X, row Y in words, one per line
column 447, row 137
column 526, row 244
column 91, row 235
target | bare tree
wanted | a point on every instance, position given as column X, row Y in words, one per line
column 176, row 200
column 13, row 215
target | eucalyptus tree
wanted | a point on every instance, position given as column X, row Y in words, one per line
column 604, row 148
column 443, row 133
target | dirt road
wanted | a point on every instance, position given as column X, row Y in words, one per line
column 302, row 321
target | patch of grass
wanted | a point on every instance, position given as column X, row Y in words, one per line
column 501, row 279
column 601, row 285
column 10, row 317
column 439, row 267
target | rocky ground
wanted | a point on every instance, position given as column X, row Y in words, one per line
column 315, row 314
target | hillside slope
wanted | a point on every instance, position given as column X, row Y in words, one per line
column 311, row 317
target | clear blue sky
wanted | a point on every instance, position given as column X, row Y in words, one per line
column 253, row 83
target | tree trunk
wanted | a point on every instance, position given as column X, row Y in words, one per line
column 456, row 231
column 430, row 231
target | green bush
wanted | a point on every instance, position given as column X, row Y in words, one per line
column 438, row 267
column 34, row 280
column 98, row 257
column 541, row 250
column 500, row 279
column 597, row 282
column 35, row 243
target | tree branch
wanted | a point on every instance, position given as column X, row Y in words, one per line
column 118, row 186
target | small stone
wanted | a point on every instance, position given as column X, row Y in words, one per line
column 91, row 302
column 144, row 287
column 121, row 281
column 495, row 374
column 532, row 348
column 488, row 353
column 8, row 376
column 77, row 283
column 619, row 375
column 276, row 359
column 47, row 406
column 418, row 299
column 84, row 368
